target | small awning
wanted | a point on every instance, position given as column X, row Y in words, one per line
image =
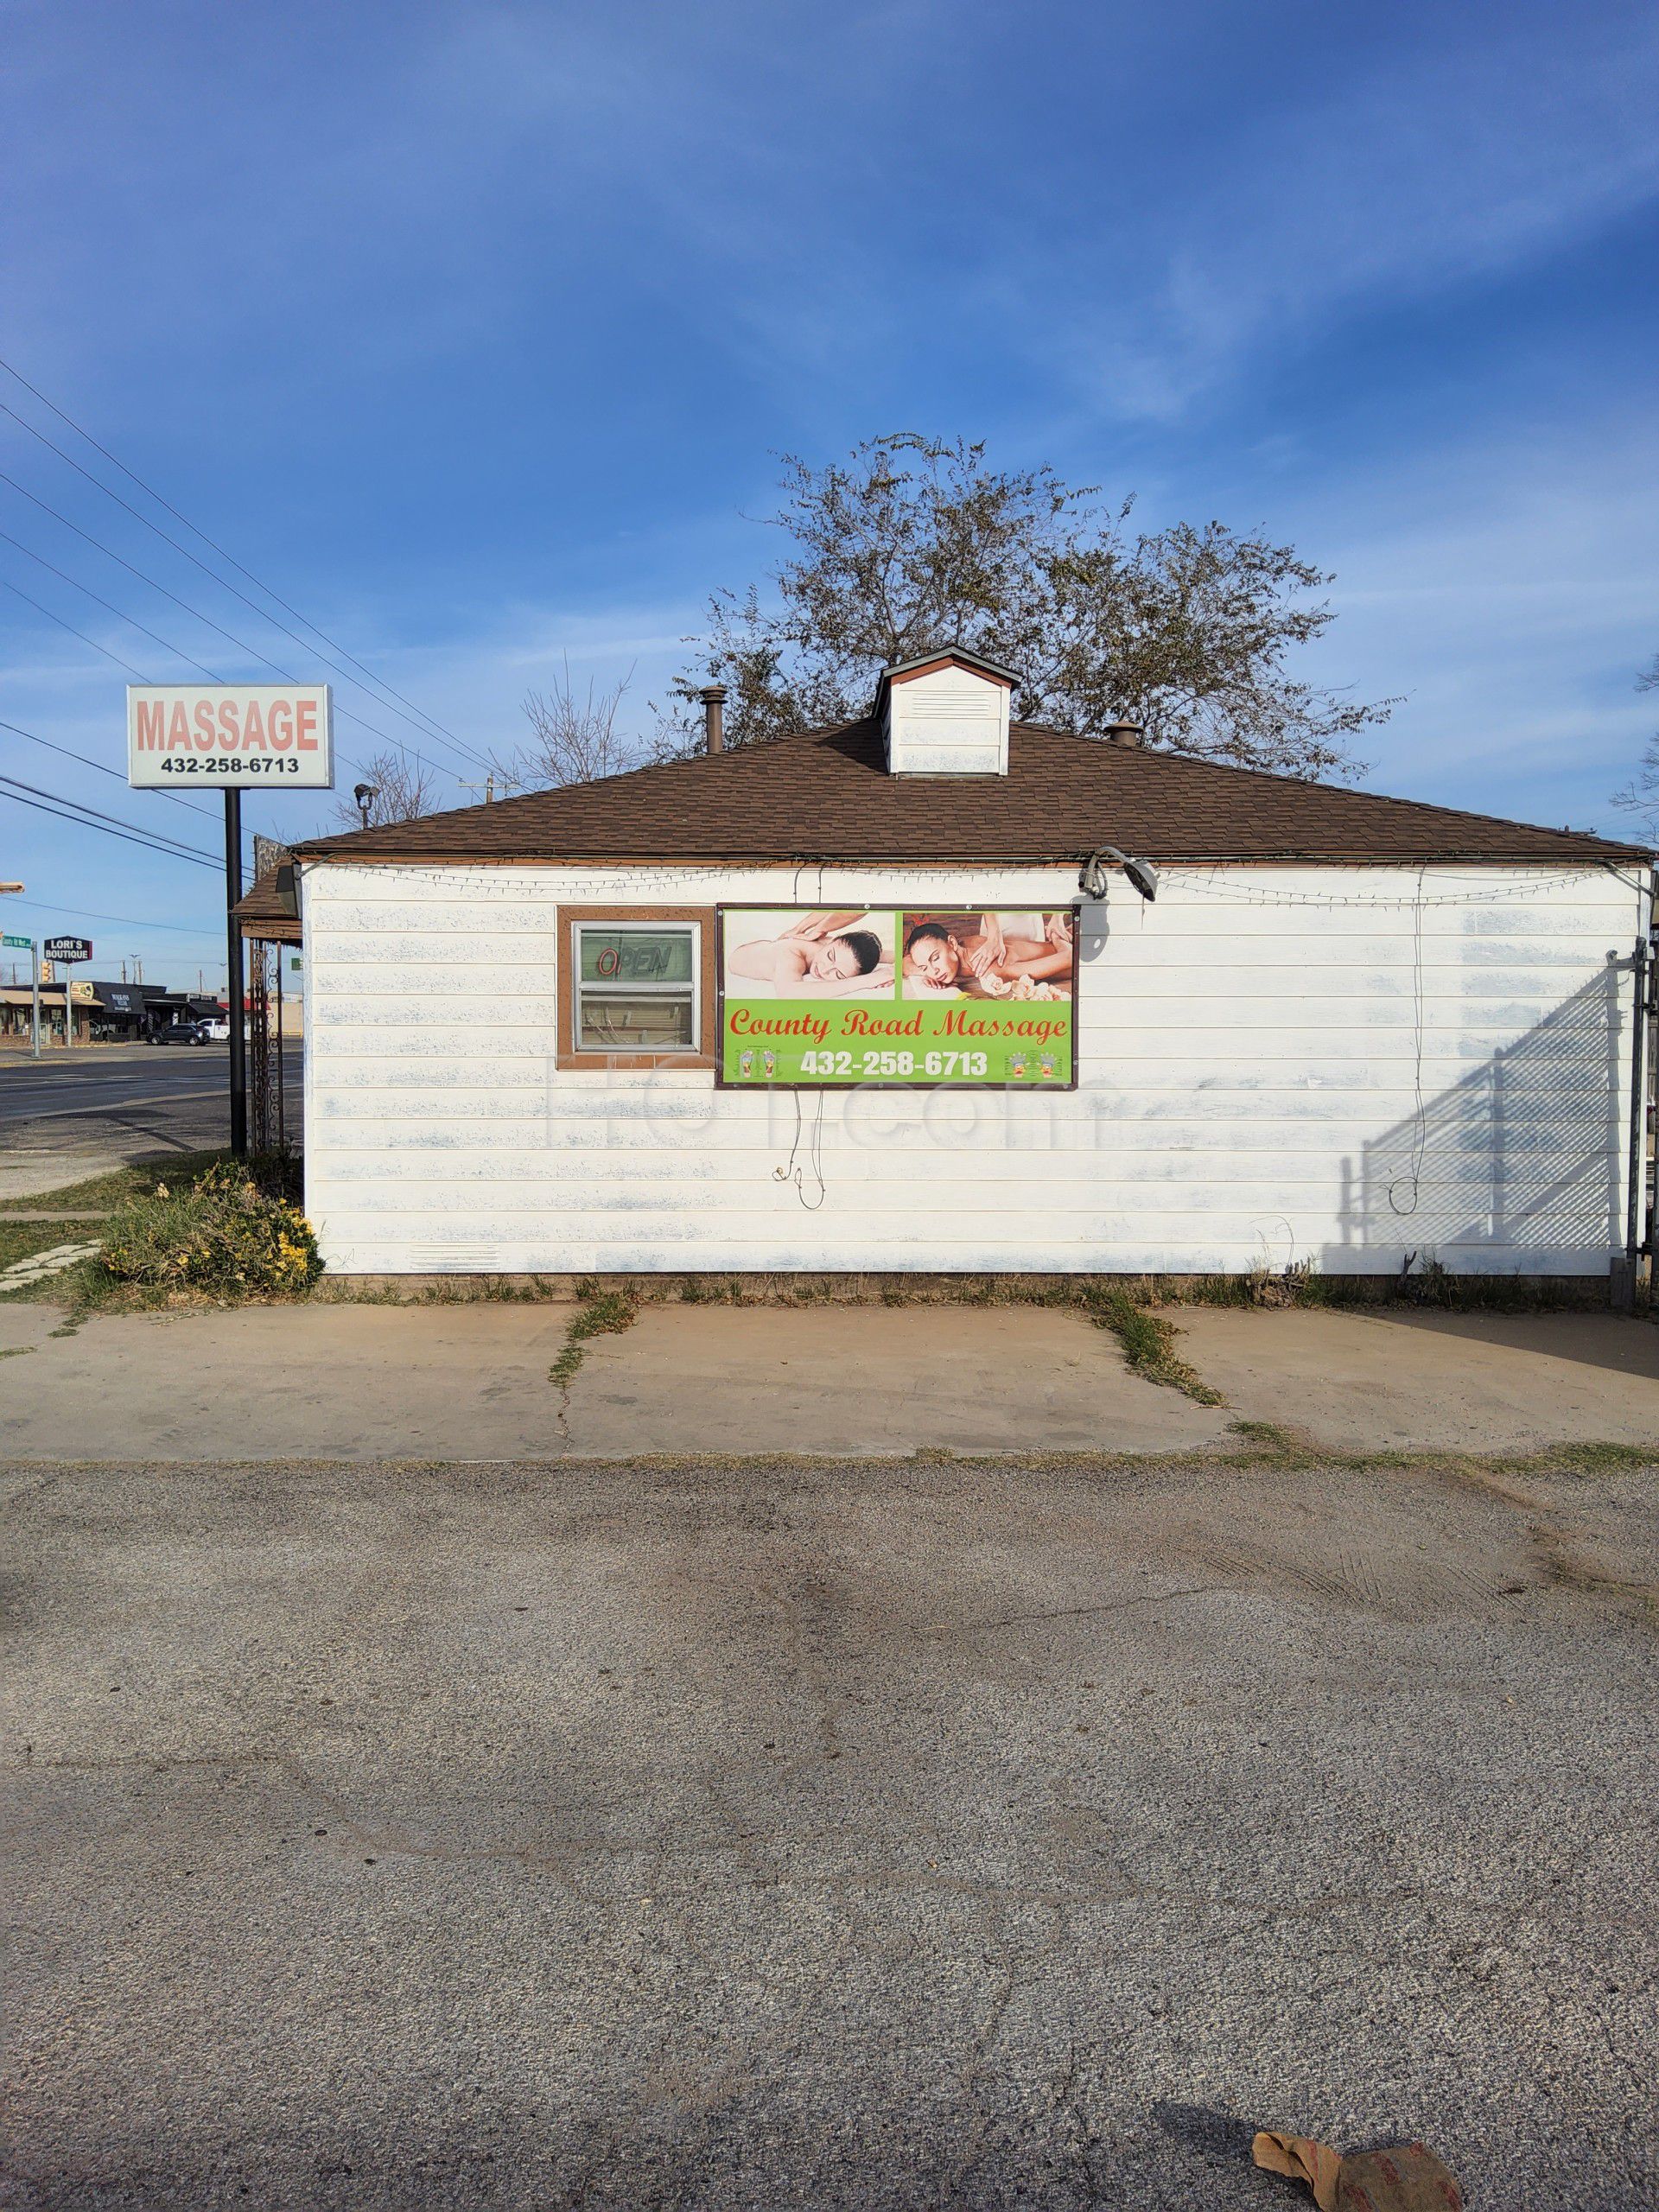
column 269, row 914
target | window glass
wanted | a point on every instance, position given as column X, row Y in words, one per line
column 637, row 986
column 648, row 1022
column 635, row 956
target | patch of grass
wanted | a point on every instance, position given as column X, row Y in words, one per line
column 464, row 1290
column 1148, row 1343
column 21, row 1240
column 1265, row 1435
column 121, row 1183
column 602, row 1312
column 16, row 1351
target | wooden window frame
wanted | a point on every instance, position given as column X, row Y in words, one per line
column 596, row 1059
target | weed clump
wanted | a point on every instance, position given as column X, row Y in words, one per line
column 1148, row 1342
column 224, row 1236
column 602, row 1312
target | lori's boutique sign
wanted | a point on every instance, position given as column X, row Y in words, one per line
column 813, row 997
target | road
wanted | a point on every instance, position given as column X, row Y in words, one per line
column 74, row 1113
column 422, row 1839
column 109, row 1077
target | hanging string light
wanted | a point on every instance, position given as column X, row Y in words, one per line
column 1214, row 885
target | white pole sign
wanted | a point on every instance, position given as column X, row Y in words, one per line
column 235, row 735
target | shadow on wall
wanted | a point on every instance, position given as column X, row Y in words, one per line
column 1516, row 1168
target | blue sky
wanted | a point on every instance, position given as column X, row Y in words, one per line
column 472, row 330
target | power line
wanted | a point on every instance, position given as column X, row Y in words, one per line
column 75, row 584
column 149, row 492
column 129, row 836
column 424, row 727
column 230, row 636
column 86, row 760
column 154, row 636
column 156, row 838
column 136, row 921
column 18, row 592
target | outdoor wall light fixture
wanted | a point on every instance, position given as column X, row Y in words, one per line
column 366, row 795
column 1092, row 878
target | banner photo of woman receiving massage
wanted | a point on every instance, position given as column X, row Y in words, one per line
column 817, row 996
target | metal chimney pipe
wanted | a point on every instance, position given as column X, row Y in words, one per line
column 1125, row 732
column 713, row 696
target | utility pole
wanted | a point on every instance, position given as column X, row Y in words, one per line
column 234, row 971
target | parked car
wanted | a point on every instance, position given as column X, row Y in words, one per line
column 181, row 1033
column 218, row 1032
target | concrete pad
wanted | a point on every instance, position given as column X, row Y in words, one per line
column 1401, row 1380
column 868, row 1379
column 471, row 1382
column 301, row 1382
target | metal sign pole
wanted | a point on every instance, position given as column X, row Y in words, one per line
column 30, row 946
column 233, row 990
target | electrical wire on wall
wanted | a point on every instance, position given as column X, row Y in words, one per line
column 1412, row 1182
column 791, row 1171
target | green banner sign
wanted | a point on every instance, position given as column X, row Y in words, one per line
column 815, row 997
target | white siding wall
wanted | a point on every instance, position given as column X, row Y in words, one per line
column 1256, row 1083
column 951, row 722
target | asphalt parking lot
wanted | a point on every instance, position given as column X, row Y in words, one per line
column 918, row 1834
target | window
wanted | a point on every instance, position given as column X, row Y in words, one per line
column 635, row 989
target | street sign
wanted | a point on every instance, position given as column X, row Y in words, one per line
column 19, row 944
column 234, row 736
column 69, row 949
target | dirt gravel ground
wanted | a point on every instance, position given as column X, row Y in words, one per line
column 900, row 1836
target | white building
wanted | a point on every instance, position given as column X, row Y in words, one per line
column 1346, row 1030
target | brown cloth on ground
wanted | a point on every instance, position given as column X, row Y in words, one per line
column 1408, row 2179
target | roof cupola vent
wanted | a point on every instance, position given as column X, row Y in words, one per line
column 713, row 696
column 1124, row 731
column 945, row 713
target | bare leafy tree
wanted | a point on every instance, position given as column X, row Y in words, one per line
column 914, row 542
column 572, row 740
column 1640, row 796
column 404, row 786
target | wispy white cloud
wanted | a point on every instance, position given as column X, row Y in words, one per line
column 1461, row 157
column 1508, row 589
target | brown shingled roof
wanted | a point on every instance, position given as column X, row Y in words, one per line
column 826, row 794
